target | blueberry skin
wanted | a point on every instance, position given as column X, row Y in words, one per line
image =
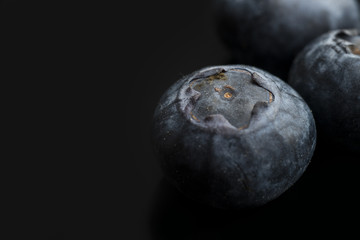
column 269, row 33
column 218, row 162
column 327, row 75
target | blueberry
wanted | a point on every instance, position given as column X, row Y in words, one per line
column 327, row 75
column 233, row 136
column 269, row 33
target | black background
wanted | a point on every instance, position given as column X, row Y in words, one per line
column 85, row 78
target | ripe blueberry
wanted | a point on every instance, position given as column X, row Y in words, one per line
column 327, row 75
column 269, row 33
column 233, row 136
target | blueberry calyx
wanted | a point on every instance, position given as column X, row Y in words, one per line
column 228, row 98
column 350, row 39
